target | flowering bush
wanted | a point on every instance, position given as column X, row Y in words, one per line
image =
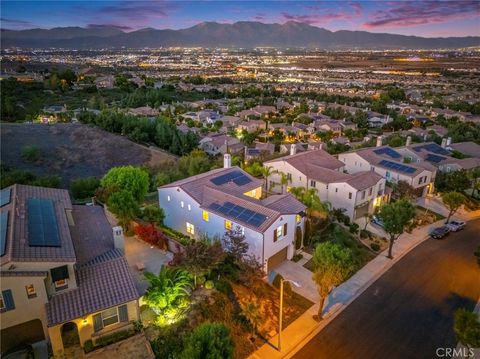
column 150, row 234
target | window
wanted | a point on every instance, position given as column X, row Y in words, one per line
column 312, row 183
column 289, row 176
column 6, row 300
column 31, row 293
column 61, row 284
column 370, row 191
column 228, row 225
column 298, row 218
column 336, row 189
column 363, row 194
column 279, row 232
column 110, row 316
column 189, row 207
column 168, row 198
column 182, row 204
column 205, row 216
column 349, row 195
column 190, row 228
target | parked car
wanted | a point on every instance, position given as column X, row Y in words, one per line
column 440, row 232
column 456, row 225
column 378, row 221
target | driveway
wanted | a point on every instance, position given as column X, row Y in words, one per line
column 300, row 274
column 139, row 253
column 408, row 312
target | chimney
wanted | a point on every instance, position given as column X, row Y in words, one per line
column 118, row 239
column 293, row 149
column 379, row 141
column 444, row 142
column 409, row 141
column 425, row 136
column 227, row 160
column 449, row 141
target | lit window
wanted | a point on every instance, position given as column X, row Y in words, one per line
column 31, row 293
column 189, row 207
column 168, row 198
column 110, row 316
column 228, row 225
column 190, row 228
column 205, row 216
column 298, row 218
column 61, row 283
column 182, row 204
column 279, row 231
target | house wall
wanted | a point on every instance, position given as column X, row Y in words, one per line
column 261, row 245
column 26, row 309
column 353, row 162
column 298, row 178
column 85, row 328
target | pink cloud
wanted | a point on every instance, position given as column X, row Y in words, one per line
column 422, row 13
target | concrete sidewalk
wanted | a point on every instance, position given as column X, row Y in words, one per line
column 305, row 327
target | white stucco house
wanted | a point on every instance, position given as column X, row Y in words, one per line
column 390, row 164
column 228, row 198
column 359, row 193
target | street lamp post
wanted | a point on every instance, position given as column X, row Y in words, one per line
column 296, row 284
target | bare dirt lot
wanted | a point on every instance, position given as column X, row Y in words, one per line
column 73, row 150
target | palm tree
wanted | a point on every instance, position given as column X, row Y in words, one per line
column 266, row 173
column 284, row 180
column 251, row 311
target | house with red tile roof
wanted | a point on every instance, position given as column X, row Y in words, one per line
column 228, row 198
column 62, row 270
column 357, row 193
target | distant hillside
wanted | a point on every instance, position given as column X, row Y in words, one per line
column 240, row 34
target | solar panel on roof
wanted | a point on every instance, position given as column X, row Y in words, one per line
column 241, row 180
column 42, row 223
column 388, row 151
column 3, row 232
column 435, row 158
column 397, row 166
column 5, row 195
column 434, row 148
column 237, row 177
column 240, row 213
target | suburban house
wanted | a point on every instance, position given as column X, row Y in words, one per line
column 220, row 144
column 62, row 270
column 257, row 111
column 389, row 163
column 251, row 126
column 228, row 198
column 358, row 193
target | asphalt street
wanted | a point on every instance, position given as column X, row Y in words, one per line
column 408, row 312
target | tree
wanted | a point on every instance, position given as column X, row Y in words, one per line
column 83, row 188
column 453, row 200
column 467, row 328
column 284, row 180
column 235, row 244
column 266, row 173
column 332, row 264
column 201, row 256
column 396, row 216
column 168, row 293
column 131, row 179
column 150, row 234
column 402, row 189
column 209, row 341
column 124, row 206
column 153, row 214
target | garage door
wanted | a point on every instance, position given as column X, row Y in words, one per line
column 277, row 259
column 26, row 333
column 361, row 211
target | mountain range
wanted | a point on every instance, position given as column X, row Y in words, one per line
column 243, row 34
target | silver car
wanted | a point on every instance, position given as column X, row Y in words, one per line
column 455, row 225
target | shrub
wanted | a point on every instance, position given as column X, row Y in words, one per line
column 224, row 287
column 153, row 214
column 375, row 246
column 150, row 234
column 209, row 340
column 30, row 153
column 83, row 188
column 201, row 280
column 138, row 326
column 88, row 346
column 364, row 234
column 113, row 338
column 297, row 257
column 167, row 345
column 208, row 284
column 353, row 228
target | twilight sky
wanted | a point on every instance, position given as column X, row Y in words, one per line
column 422, row 18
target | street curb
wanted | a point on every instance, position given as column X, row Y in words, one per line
column 337, row 310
